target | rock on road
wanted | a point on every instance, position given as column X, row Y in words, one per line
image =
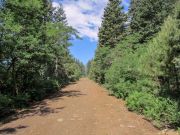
column 82, row 108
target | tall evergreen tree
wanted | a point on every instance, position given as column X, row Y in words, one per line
column 113, row 24
column 59, row 14
column 110, row 33
column 147, row 16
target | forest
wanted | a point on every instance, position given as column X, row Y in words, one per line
column 34, row 57
column 138, row 58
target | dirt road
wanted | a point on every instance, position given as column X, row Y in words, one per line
column 82, row 108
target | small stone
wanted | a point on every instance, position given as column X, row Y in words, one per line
column 131, row 126
column 60, row 120
column 121, row 125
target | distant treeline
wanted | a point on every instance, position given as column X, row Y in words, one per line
column 34, row 56
column 138, row 58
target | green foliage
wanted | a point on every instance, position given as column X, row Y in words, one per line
column 122, row 75
column 74, row 70
column 43, row 88
column 162, row 110
column 110, row 33
column 21, row 100
column 88, row 67
column 113, row 24
column 144, row 67
column 158, row 61
column 34, row 56
column 100, row 64
column 6, row 103
column 179, row 131
column 147, row 16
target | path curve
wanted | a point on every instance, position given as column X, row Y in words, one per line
column 82, row 108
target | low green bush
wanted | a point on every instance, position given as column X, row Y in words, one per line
column 163, row 111
column 37, row 95
column 50, row 86
column 43, row 88
column 5, row 105
column 123, row 89
column 178, row 131
column 5, row 102
column 21, row 100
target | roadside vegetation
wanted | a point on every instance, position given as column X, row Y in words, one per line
column 34, row 56
column 138, row 58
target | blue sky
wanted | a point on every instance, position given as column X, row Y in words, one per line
column 85, row 16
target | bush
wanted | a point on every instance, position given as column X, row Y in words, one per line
column 21, row 100
column 50, row 86
column 5, row 105
column 37, row 95
column 100, row 64
column 74, row 71
column 5, row 102
column 122, row 90
column 43, row 88
column 123, row 74
column 179, row 131
column 163, row 111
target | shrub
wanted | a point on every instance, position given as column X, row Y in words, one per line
column 100, row 64
column 50, row 86
column 21, row 100
column 123, row 89
column 179, row 131
column 5, row 102
column 43, row 88
column 123, row 74
column 5, row 105
column 163, row 111
column 37, row 95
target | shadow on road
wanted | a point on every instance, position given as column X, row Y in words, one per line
column 5, row 131
column 39, row 109
column 42, row 108
column 70, row 93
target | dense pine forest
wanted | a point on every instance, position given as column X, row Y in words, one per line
column 34, row 57
column 138, row 58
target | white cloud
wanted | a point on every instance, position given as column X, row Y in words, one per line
column 85, row 15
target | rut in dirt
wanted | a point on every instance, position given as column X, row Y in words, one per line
column 82, row 108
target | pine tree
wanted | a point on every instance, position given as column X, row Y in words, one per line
column 59, row 14
column 147, row 16
column 113, row 24
column 173, row 60
column 110, row 33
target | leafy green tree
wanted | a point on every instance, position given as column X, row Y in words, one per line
column 21, row 39
column 34, row 55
